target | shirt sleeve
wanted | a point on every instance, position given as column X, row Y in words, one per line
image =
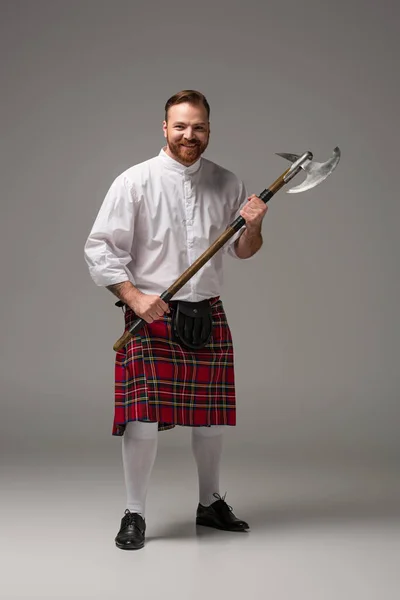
column 109, row 245
column 240, row 202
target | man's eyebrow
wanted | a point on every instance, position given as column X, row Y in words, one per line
column 182, row 123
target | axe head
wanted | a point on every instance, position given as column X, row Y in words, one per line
column 316, row 172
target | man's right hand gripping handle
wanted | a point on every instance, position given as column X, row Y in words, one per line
column 148, row 307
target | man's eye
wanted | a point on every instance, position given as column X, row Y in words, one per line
column 178, row 127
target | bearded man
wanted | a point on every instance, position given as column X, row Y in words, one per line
column 157, row 218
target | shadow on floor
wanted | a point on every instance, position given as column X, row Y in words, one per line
column 291, row 514
column 189, row 530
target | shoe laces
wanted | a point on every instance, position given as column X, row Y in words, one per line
column 131, row 518
column 222, row 499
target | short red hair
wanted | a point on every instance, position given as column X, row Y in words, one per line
column 190, row 96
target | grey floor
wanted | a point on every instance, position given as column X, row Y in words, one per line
column 319, row 530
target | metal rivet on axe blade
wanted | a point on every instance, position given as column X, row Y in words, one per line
column 316, row 172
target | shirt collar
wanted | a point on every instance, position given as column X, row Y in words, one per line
column 171, row 163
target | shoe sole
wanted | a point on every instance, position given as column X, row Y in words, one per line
column 206, row 524
column 128, row 546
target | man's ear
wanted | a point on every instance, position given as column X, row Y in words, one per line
column 164, row 126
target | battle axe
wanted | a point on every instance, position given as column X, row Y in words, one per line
column 316, row 173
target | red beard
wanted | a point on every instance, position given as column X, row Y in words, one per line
column 184, row 154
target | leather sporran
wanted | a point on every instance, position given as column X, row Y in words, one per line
column 192, row 323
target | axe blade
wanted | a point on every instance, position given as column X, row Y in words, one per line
column 316, row 172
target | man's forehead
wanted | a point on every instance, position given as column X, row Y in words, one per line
column 186, row 112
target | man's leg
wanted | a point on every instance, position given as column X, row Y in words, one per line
column 212, row 510
column 139, row 449
column 207, row 450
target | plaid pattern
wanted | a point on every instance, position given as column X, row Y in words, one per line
column 156, row 379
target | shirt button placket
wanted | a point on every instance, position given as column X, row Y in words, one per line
column 189, row 225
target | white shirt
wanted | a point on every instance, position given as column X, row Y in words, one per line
column 157, row 218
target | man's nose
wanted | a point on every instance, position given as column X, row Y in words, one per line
column 189, row 133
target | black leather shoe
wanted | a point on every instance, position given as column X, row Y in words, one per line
column 220, row 516
column 131, row 534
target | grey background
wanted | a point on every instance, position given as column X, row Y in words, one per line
column 315, row 315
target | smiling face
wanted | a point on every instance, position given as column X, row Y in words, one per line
column 187, row 132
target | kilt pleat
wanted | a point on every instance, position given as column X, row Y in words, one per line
column 158, row 380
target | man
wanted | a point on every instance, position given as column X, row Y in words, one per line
column 156, row 219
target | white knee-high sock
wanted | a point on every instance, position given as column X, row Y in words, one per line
column 207, row 450
column 139, row 449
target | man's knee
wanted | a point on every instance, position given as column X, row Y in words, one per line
column 141, row 430
column 211, row 431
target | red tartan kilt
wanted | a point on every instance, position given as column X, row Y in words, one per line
column 156, row 379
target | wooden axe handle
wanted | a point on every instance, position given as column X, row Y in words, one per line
column 237, row 224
